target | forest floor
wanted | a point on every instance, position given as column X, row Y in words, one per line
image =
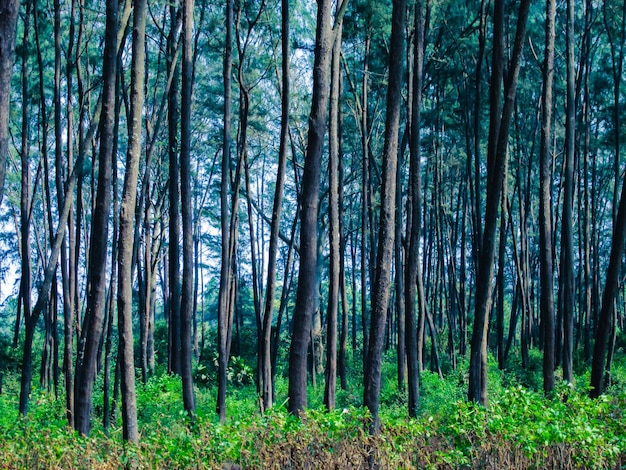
column 521, row 428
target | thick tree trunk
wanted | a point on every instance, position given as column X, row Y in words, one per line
column 306, row 299
column 381, row 287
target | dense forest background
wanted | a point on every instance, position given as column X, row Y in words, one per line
column 329, row 193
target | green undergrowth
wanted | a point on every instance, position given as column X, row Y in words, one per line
column 520, row 429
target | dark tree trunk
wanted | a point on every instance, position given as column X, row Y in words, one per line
column 187, row 303
column 266, row 362
column 567, row 241
column 174, row 219
column 497, row 155
column 414, row 216
column 307, row 294
column 224, row 304
column 381, row 287
column 92, row 329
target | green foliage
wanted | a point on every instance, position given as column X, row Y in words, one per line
column 520, row 429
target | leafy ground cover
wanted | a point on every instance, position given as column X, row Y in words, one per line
column 520, row 429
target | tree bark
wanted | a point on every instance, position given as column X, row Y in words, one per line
column 8, row 21
column 497, row 155
column 92, row 329
column 126, row 227
column 333, row 216
column 187, row 303
column 266, row 362
column 381, row 287
column 307, row 294
column 567, row 239
column 414, row 216
column 545, row 205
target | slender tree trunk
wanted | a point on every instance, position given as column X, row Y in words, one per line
column 545, row 206
column 333, row 216
column 174, row 364
column 92, row 330
column 126, row 228
column 225, row 273
column 266, row 363
column 187, row 303
column 306, row 299
column 567, row 239
column 381, row 288
column 497, row 155
column 414, row 217
column 8, row 21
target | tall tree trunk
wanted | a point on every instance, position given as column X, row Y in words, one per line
column 414, row 216
column 126, row 227
column 266, row 363
column 174, row 219
column 567, row 239
column 92, row 329
column 8, row 21
column 545, row 206
column 381, row 287
column 606, row 317
column 497, row 155
column 224, row 304
column 187, row 303
column 333, row 216
column 306, row 298
column 25, row 204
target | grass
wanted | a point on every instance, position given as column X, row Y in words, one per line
column 520, row 429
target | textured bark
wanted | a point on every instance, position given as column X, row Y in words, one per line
column 174, row 188
column 307, row 294
column 567, row 239
column 545, row 206
column 497, row 156
column 187, row 303
column 92, row 328
column 127, row 226
column 333, row 216
column 8, row 20
column 381, row 287
column 266, row 361
column 414, row 216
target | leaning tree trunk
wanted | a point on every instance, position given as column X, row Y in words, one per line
column 381, row 287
